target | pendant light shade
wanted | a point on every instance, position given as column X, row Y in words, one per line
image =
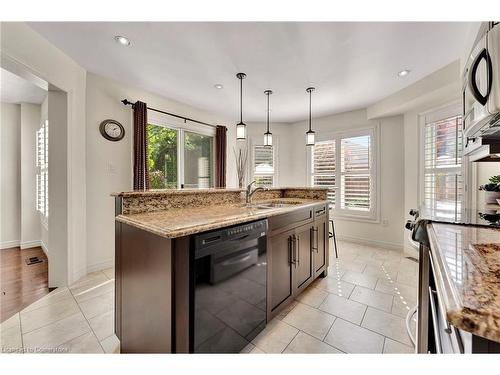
column 241, row 128
column 268, row 136
column 310, row 133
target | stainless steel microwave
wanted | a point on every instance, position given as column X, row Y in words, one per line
column 481, row 92
column 481, row 89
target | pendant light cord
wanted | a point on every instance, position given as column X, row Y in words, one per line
column 267, row 111
column 241, row 100
column 310, row 94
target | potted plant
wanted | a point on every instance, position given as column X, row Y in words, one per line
column 491, row 190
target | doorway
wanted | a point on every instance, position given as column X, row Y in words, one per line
column 33, row 197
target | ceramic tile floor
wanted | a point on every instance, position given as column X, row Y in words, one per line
column 359, row 308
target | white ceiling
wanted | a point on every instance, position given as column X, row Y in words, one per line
column 351, row 64
column 14, row 89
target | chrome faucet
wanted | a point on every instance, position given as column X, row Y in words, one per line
column 250, row 192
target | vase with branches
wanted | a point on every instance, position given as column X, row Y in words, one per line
column 241, row 158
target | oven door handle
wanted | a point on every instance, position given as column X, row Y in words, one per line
column 239, row 259
column 483, row 99
column 437, row 337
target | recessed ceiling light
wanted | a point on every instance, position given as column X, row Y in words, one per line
column 122, row 40
column 404, row 72
column 218, row 86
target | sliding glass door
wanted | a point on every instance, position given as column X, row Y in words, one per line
column 198, row 160
column 178, row 158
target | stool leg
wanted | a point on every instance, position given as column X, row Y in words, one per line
column 334, row 240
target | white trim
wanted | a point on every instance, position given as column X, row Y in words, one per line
column 364, row 241
column 44, row 248
column 9, row 244
column 30, row 244
column 100, row 266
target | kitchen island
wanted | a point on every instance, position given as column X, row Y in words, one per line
column 159, row 236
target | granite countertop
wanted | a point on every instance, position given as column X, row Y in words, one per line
column 205, row 191
column 467, row 270
column 179, row 222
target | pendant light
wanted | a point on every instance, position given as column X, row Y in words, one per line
column 310, row 132
column 241, row 128
column 268, row 136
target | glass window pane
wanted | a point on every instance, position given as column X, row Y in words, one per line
column 198, row 160
column 162, row 157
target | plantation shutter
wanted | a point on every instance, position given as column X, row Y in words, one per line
column 42, row 162
column 323, row 167
column 264, row 165
column 443, row 185
column 356, row 180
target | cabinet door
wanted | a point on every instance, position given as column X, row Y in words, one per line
column 279, row 254
column 320, row 243
column 303, row 260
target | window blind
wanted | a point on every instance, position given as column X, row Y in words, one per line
column 264, row 165
column 323, row 167
column 443, row 185
column 355, row 192
column 42, row 163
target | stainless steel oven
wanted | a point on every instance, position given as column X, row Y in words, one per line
column 229, row 288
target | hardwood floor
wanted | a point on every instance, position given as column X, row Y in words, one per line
column 21, row 284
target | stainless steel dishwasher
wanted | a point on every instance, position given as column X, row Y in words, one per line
column 228, row 288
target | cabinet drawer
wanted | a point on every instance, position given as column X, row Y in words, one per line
column 291, row 220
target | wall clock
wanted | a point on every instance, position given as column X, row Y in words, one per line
column 112, row 130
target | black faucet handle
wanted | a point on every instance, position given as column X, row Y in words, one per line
column 410, row 224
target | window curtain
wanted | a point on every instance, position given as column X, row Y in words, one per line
column 220, row 156
column 141, row 175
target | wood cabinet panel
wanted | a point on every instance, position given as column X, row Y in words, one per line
column 320, row 243
column 279, row 253
column 303, row 257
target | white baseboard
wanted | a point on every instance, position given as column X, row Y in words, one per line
column 30, row 244
column 44, row 248
column 9, row 244
column 101, row 265
column 364, row 241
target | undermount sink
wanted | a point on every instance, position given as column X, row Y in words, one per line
column 274, row 204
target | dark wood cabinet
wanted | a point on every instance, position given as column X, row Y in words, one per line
column 280, row 269
column 297, row 254
column 303, row 259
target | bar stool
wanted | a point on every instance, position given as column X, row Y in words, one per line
column 332, row 235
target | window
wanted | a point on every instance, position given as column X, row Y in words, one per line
column 345, row 163
column 323, row 167
column 442, row 167
column 355, row 185
column 179, row 157
column 162, row 157
column 42, row 176
column 264, row 165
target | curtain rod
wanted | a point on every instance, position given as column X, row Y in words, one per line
column 127, row 102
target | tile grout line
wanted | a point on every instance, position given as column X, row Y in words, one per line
column 87, row 320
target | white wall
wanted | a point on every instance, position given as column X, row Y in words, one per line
column 109, row 164
column 30, row 218
column 23, row 51
column 58, row 190
column 10, row 169
column 387, row 232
